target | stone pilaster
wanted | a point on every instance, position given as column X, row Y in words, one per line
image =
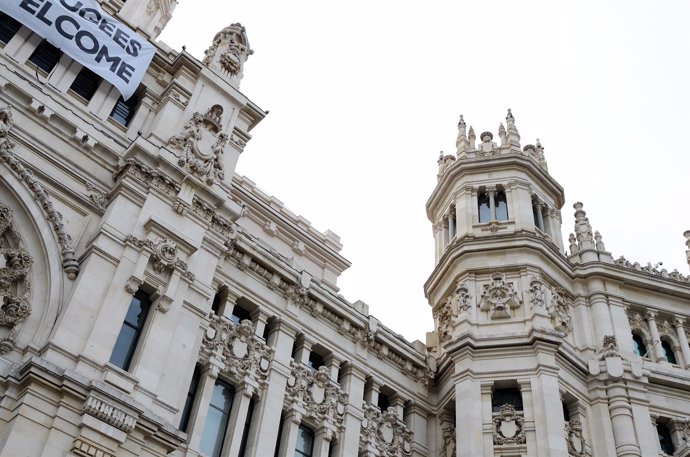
column 656, row 339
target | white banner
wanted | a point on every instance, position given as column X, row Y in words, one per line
column 90, row 36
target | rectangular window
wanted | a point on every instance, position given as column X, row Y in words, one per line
column 123, row 112
column 86, row 84
column 131, row 330
column 484, row 207
column 45, row 56
column 189, row 402
column 315, row 361
column 8, row 28
column 510, row 396
column 239, row 314
column 305, row 442
column 247, row 425
column 501, row 206
column 217, row 419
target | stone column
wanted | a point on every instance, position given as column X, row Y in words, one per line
column 352, row 382
column 322, row 442
column 371, row 394
column 417, row 420
column 198, row 419
column 288, row 441
column 678, row 322
column 398, row 404
column 656, row 339
column 468, row 419
column 333, row 364
column 451, row 224
column 622, row 420
column 238, row 417
column 540, row 216
column 260, row 318
column 446, row 236
column 548, row 417
column 492, row 203
column 267, row 412
column 528, row 412
column 600, row 318
column 303, row 351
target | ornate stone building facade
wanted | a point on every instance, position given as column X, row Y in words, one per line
column 155, row 303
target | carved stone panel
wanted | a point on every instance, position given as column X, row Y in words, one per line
column 384, row 433
column 574, row 438
column 508, row 426
column 499, row 297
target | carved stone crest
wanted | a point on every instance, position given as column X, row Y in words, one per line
column 321, row 398
column 384, row 433
column 560, row 312
column 508, row 426
column 499, row 297
column 202, row 145
column 229, row 50
column 576, row 442
column 610, row 348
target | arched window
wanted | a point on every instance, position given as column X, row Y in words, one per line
column 638, row 345
column 668, row 352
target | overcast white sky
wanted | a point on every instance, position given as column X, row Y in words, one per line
column 363, row 95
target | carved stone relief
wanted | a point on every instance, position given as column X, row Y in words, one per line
column 560, row 310
column 230, row 49
column 609, row 348
column 202, row 145
column 509, row 426
column 7, row 156
column 574, row 438
column 322, row 399
column 449, row 444
column 499, row 297
column 15, row 279
column 384, row 432
column 236, row 347
column 164, row 256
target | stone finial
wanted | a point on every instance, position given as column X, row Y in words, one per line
column 461, row 143
column 513, row 135
column 472, row 138
column 686, row 234
column 539, row 150
column 228, row 53
column 502, row 135
column 583, row 229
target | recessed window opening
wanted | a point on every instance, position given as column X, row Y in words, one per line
column 506, row 396
column 86, row 84
column 665, row 441
column 315, row 361
column 131, row 330
column 189, row 402
column 123, row 111
column 239, row 314
column 566, row 411
column 639, row 347
column 217, row 419
column 668, row 352
column 305, row 442
column 9, row 27
column 501, row 205
column 45, row 56
column 484, row 207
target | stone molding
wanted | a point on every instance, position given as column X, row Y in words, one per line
column 7, row 156
column 651, row 269
column 320, row 398
column 241, row 354
column 383, row 433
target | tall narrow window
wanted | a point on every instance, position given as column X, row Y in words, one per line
column 665, row 441
column 484, row 207
column 305, row 442
column 123, row 112
column 189, row 402
column 501, row 206
column 638, row 345
column 566, row 412
column 239, row 314
column 668, row 352
column 8, row 28
column 86, row 84
column 247, row 425
column 383, row 403
column 217, row 419
column 45, row 56
column 131, row 330
column 315, row 361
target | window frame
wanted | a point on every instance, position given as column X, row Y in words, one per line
column 143, row 298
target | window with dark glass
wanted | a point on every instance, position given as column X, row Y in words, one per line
column 9, row 27
column 501, row 206
column 315, row 361
column 638, row 345
column 217, row 419
column 245, row 431
column 189, row 402
column 239, row 314
column 665, row 439
column 566, row 412
column 509, row 396
column 123, row 112
column 131, row 330
column 484, row 207
column 305, row 442
column 86, row 83
column 668, row 352
column 384, row 402
column 280, row 435
column 45, row 56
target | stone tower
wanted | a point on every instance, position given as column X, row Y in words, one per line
column 499, row 294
